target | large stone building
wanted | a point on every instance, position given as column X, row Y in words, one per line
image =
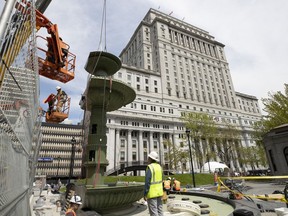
column 54, row 159
column 174, row 67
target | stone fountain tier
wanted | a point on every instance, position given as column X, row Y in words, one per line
column 106, row 198
column 114, row 93
column 101, row 63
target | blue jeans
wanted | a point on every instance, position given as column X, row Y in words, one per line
column 155, row 206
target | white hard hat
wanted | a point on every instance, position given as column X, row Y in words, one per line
column 58, row 87
column 76, row 199
column 153, row 155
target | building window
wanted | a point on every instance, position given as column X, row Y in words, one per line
column 155, row 144
column 122, row 143
column 143, row 106
column 122, row 156
column 134, row 156
column 138, row 87
column 145, row 156
column 144, row 144
column 133, row 143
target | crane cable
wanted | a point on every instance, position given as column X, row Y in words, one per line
column 103, row 26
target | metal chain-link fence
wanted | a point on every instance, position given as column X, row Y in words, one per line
column 20, row 135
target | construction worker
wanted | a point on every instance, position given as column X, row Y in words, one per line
column 176, row 185
column 167, row 185
column 153, row 190
column 51, row 99
column 166, row 188
column 74, row 202
column 61, row 98
column 64, row 51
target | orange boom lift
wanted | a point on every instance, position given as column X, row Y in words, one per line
column 56, row 62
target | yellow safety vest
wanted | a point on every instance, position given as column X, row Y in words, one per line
column 156, row 188
column 177, row 185
column 167, row 184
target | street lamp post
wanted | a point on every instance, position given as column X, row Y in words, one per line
column 73, row 142
column 59, row 158
column 208, row 159
column 192, row 168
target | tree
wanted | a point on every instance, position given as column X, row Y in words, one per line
column 202, row 128
column 276, row 107
column 176, row 155
column 221, row 140
column 228, row 143
column 252, row 156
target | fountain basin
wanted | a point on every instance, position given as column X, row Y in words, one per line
column 106, row 198
column 115, row 93
column 101, row 63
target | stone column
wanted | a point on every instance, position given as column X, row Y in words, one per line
column 140, row 147
column 117, row 147
column 129, row 147
column 161, row 149
column 111, row 149
column 151, row 144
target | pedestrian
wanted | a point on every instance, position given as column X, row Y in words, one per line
column 153, row 190
column 74, row 204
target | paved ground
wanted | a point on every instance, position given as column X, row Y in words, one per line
column 266, row 188
column 140, row 208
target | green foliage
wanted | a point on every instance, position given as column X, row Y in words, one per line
column 199, row 124
column 276, row 107
column 203, row 129
column 200, row 179
column 175, row 155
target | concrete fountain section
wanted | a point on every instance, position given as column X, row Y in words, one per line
column 101, row 96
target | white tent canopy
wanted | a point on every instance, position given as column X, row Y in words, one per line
column 213, row 166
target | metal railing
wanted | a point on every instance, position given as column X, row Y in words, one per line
column 124, row 165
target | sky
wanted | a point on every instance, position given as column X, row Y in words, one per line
column 254, row 32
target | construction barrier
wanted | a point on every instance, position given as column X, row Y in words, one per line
column 238, row 194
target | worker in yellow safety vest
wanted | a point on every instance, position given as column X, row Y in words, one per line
column 153, row 190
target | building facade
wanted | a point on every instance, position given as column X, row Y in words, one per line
column 276, row 148
column 174, row 67
column 55, row 154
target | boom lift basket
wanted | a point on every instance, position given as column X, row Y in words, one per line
column 53, row 116
column 63, row 72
